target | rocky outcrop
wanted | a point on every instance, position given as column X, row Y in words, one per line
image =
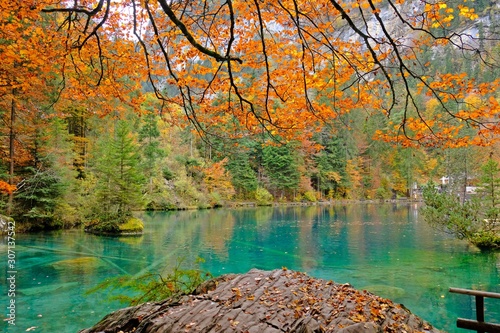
column 267, row 302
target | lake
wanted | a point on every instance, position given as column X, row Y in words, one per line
column 384, row 248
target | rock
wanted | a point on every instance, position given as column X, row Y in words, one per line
column 267, row 301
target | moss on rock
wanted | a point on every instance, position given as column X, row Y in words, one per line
column 132, row 225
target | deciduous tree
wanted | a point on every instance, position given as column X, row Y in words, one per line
column 218, row 182
column 287, row 65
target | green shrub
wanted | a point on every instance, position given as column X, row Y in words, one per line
column 263, row 197
column 131, row 225
column 168, row 174
column 382, row 193
column 310, row 196
column 485, row 239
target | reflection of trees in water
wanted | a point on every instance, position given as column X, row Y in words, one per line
column 362, row 244
column 217, row 231
column 309, row 219
column 361, row 235
column 262, row 216
column 191, row 230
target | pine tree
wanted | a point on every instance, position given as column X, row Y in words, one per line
column 46, row 179
column 489, row 190
column 149, row 135
column 37, row 197
column 244, row 178
column 119, row 179
column 281, row 168
column 331, row 176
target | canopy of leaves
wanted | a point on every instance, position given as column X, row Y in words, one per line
column 288, row 65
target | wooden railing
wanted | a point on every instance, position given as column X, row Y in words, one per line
column 479, row 324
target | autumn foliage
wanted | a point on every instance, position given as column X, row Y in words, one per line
column 6, row 187
column 287, row 67
column 283, row 67
column 271, row 71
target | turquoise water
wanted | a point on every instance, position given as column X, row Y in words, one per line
column 386, row 249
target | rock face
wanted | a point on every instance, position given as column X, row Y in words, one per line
column 267, row 302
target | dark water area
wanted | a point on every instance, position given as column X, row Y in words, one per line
column 384, row 248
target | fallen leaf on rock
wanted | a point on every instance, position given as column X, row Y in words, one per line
column 190, row 325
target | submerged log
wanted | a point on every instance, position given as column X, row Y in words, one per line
column 269, row 302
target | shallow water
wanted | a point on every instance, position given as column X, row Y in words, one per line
column 386, row 249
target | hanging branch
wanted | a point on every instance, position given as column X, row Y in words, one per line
column 216, row 31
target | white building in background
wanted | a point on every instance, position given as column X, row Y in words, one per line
column 470, row 189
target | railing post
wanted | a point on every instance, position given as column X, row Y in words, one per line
column 480, row 310
column 478, row 325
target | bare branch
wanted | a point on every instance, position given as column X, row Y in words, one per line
column 76, row 9
column 166, row 8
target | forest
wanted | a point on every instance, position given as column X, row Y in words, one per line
column 109, row 107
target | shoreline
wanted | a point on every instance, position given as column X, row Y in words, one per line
column 244, row 204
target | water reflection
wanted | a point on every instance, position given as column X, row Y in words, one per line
column 386, row 249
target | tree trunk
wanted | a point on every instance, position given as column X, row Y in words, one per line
column 12, row 135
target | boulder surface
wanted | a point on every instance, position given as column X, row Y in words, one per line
column 266, row 302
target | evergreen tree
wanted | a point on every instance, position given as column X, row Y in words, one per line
column 77, row 124
column 37, row 198
column 489, row 190
column 149, row 135
column 46, row 179
column 461, row 166
column 475, row 220
column 119, row 179
column 407, row 165
column 244, row 178
column 331, row 176
column 281, row 167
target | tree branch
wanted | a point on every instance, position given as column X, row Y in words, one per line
column 171, row 15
